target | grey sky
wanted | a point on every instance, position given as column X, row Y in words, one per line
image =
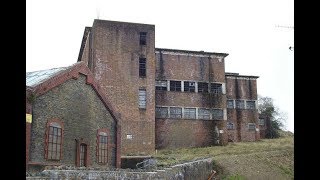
column 246, row 29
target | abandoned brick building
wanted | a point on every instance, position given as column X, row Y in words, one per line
column 162, row 98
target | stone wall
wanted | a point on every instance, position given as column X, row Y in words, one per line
column 200, row 170
column 82, row 113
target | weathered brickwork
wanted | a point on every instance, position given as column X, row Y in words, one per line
column 173, row 133
column 263, row 127
column 242, row 88
column 114, row 61
column 82, row 113
column 180, row 65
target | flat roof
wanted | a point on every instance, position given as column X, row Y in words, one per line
column 192, row 52
column 237, row 75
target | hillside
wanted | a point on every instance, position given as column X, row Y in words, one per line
column 265, row 159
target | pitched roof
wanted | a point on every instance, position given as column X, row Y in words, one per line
column 39, row 82
column 36, row 77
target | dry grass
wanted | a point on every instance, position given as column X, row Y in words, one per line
column 264, row 159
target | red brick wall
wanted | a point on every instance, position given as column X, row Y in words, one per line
column 116, row 52
column 245, row 89
column 192, row 66
column 176, row 133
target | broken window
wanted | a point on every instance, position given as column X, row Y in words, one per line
column 202, row 87
column 189, row 86
column 161, row 85
column 240, row 104
column 142, row 67
column 217, row 114
column 203, row 113
column 251, row 126
column 230, row 125
column 261, row 122
column 230, row 104
column 251, row 105
column 175, row 112
column 162, row 112
column 142, row 98
column 216, row 88
column 190, row 113
column 143, row 38
column 175, row 85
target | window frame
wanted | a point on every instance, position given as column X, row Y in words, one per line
column 189, row 88
column 161, row 115
column 175, row 115
column 220, row 117
column 250, row 106
column 216, row 88
column 54, row 123
column 233, row 104
column 187, row 114
column 201, row 116
column 228, row 126
column 203, row 87
column 141, row 101
column 143, row 38
column 103, row 132
column 160, row 85
column 250, row 129
column 142, row 67
column 239, row 107
column 174, row 86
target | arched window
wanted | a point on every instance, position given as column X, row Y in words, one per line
column 102, row 146
column 54, row 137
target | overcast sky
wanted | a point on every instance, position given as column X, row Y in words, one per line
column 246, row 30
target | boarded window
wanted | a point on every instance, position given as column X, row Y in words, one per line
column 203, row 113
column 216, row 88
column 203, row 87
column 162, row 112
column 189, row 86
column 175, row 85
column 251, row 105
column 142, row 98
column 143, row 38
column 175, row 112
column 190, row 113
column 261, row 122
column 161, row 85
column 142, row 67
column 251, row 126
column 230, row 104
column 240, row 104
column 217, row 114
column 230, row 125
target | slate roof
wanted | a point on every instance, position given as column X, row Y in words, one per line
column 36, row 77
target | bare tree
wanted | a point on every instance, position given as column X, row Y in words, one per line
column 273, row 114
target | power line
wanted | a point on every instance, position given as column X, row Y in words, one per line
column 288, row 27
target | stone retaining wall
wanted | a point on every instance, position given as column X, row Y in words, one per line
column 200, row 169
